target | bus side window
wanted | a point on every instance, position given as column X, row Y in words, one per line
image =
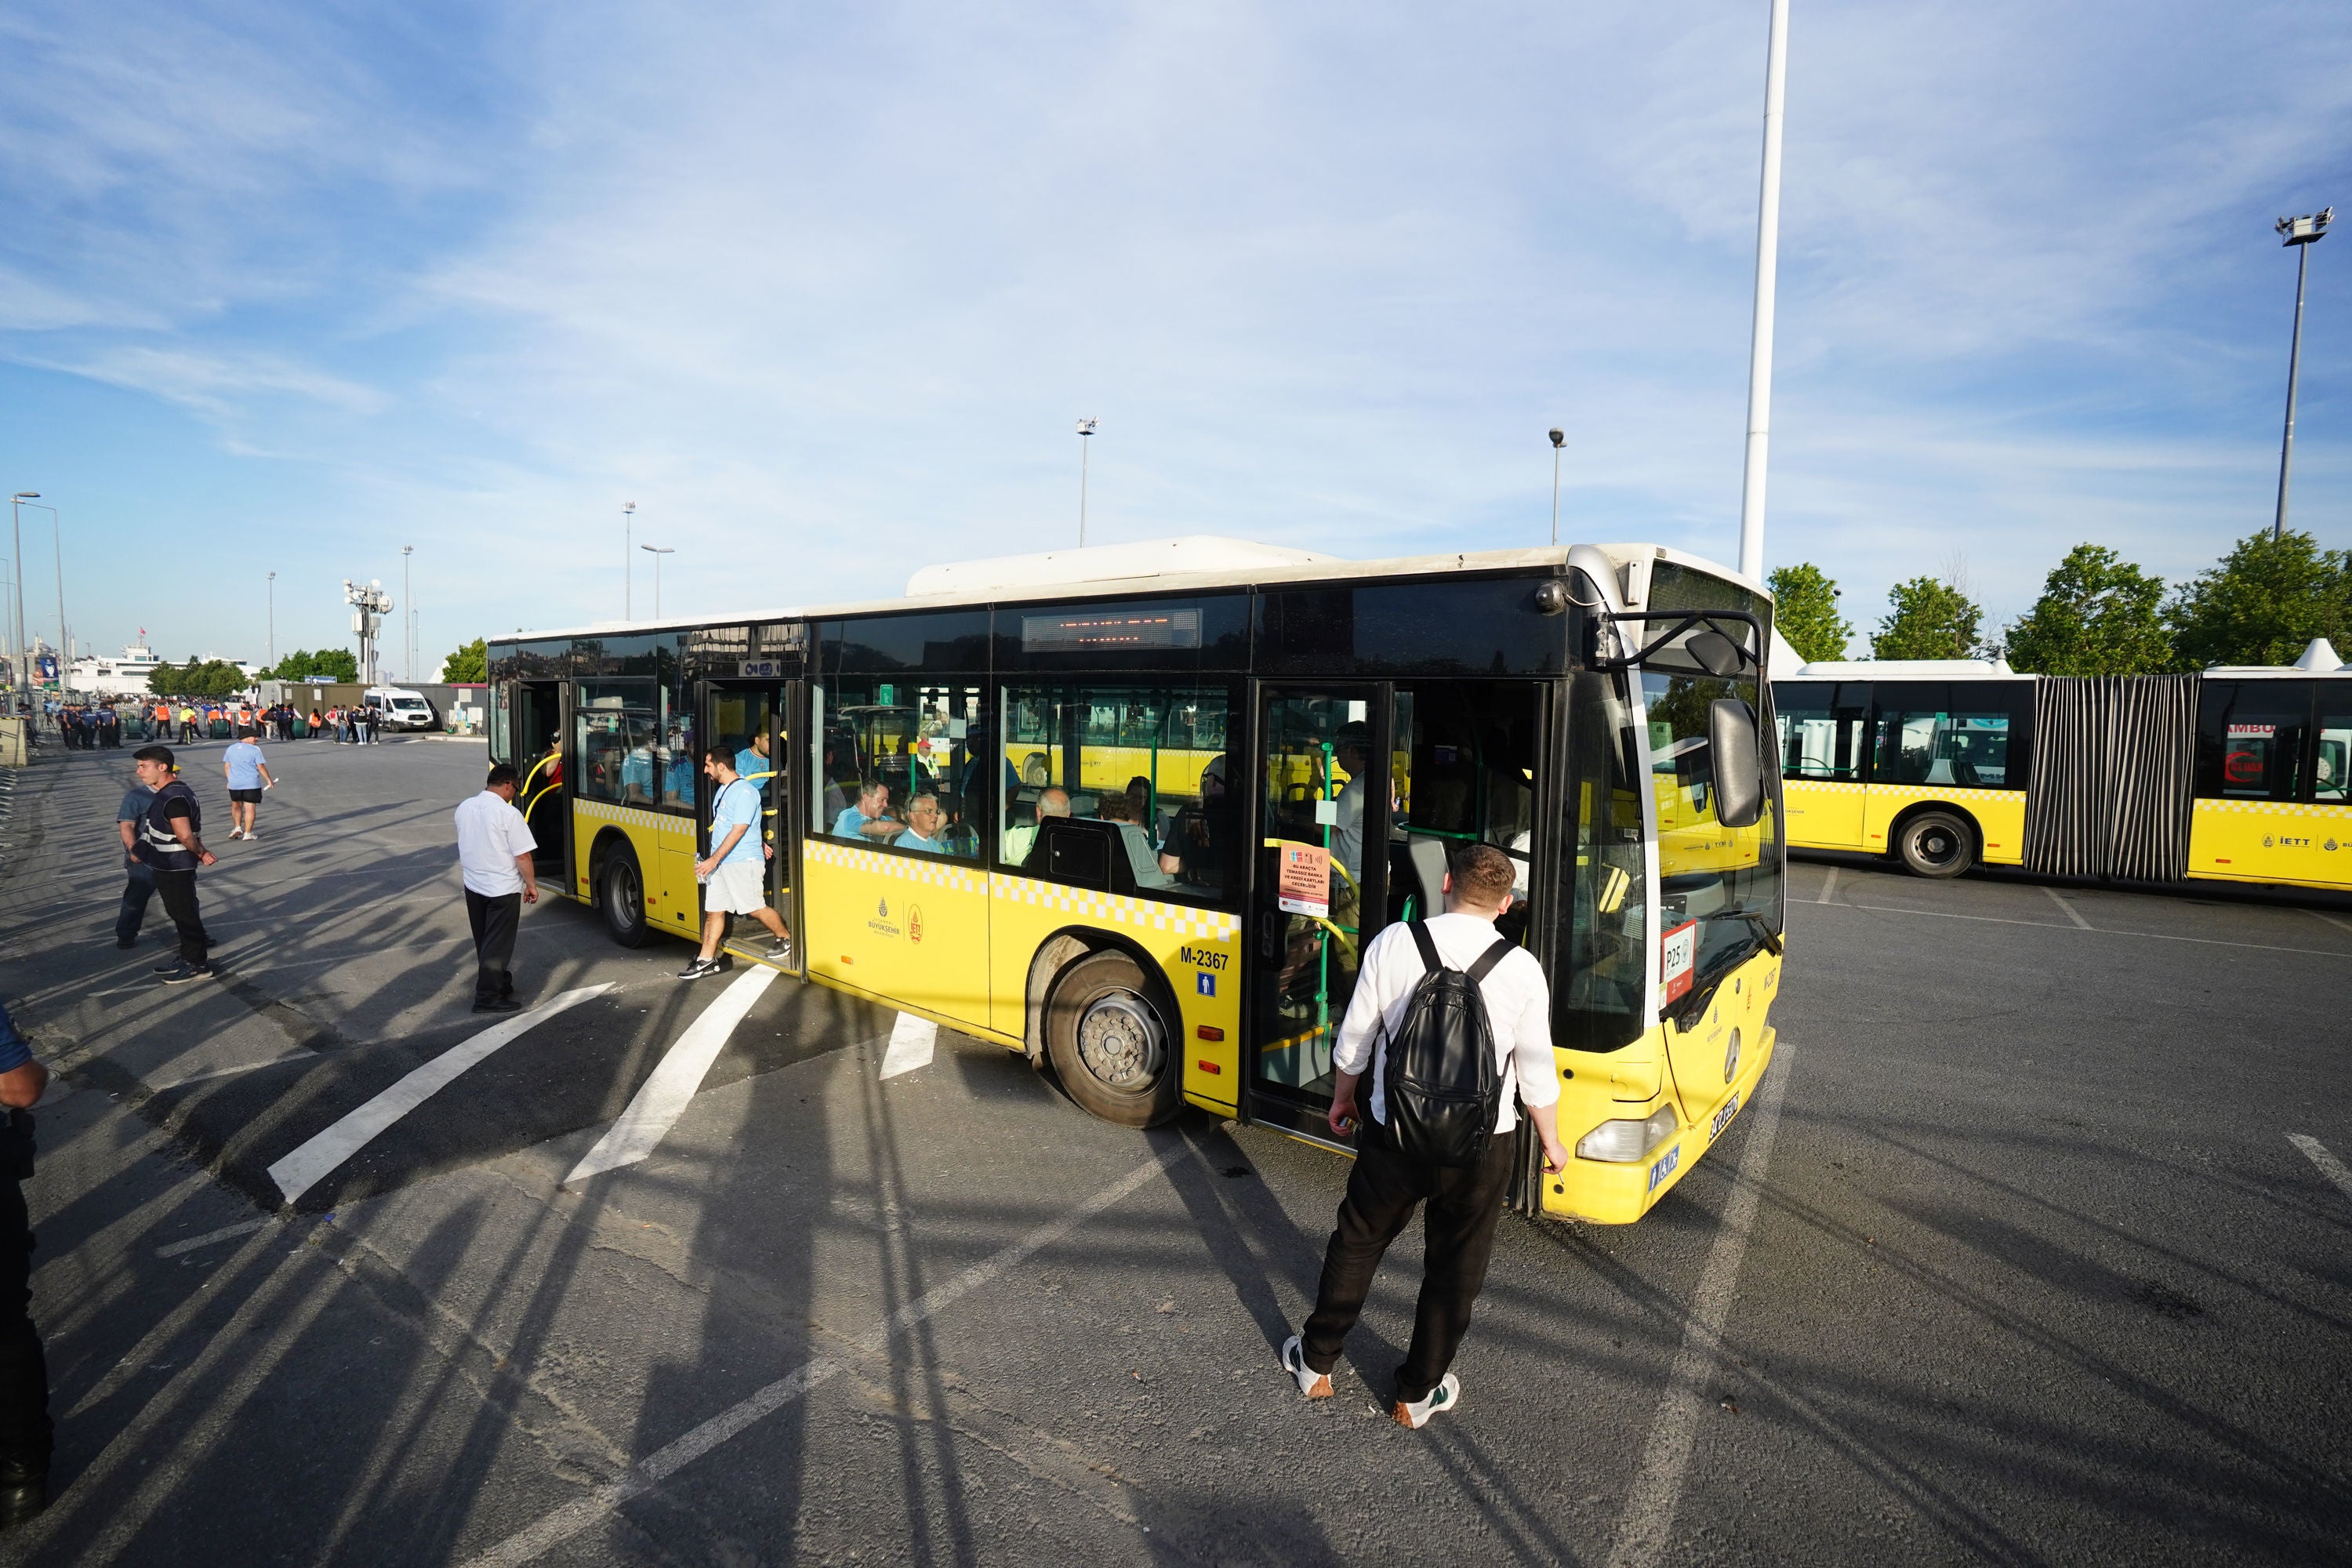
column 2330, row 782
column 2249, row 739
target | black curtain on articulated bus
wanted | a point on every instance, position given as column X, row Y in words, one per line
column 2113, row 760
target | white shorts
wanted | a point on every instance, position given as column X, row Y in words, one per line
column 735, row 886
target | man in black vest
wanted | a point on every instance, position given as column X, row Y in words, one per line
column 169, row 844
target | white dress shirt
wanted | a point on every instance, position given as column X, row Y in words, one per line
column 491, row 833
column 1518, row 1010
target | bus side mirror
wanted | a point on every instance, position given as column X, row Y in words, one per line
column 1735, row 752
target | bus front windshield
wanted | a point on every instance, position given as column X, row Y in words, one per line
column 1728, row 880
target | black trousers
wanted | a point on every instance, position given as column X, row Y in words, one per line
column 1464, row 1207
column 495, row 921
column 24, row 1428
column 137, row 887
column 179, row 890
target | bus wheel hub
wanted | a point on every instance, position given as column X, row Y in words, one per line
column 1119, row 1041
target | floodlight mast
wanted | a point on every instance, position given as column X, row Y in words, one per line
column 1559, row 439
column 2302, row 233
column 1085, row 427
column 1768, row 264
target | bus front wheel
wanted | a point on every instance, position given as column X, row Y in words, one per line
column 623, row 900
column 1110, row 1046
column 1936, row 844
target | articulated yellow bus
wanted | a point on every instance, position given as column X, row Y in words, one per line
column 2238, row 774
column 1180, row 786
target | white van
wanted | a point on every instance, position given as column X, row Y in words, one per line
column 402, row 710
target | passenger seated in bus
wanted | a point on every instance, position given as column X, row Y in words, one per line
column 870, row 818
column 1194, row 852
column 1115, row 809
column 1021, row 837
column 926, row 826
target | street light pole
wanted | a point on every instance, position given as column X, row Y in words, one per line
column 407, row 619
column 1559, row 439
column 16, row 525
column 657, row 551
column 1086, row 428
column 273, row 620
column 628, row 558
column 2302, row 233
column 1768, row 263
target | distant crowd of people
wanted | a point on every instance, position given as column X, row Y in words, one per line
column 91, row 727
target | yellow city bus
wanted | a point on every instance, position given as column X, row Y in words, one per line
column 1164, row 838
column 2235, row 773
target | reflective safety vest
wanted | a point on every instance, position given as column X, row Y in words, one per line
column 160, row 846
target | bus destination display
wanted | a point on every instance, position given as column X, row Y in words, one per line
column 1102, row 631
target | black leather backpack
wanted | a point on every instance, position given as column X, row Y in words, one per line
column 1441, row 1083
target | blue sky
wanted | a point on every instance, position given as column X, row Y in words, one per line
column 823, row 290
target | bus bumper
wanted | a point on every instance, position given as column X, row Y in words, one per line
column 1609, row 1193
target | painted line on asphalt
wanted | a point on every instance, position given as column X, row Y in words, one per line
column 676, row 1081
column 913, row 1042
column 554, row 1529
column 2101, row 931
column 1829, row 888
column 298, row 1172
column 2329, row 1166
column 245, row 1227
column 1649, row 1515
column 2072, row 912
column 2331, row 920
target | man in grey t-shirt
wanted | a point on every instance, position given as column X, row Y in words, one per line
column 140, row 884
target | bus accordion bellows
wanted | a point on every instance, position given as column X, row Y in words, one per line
column 2233, row 773
column 1134, row 812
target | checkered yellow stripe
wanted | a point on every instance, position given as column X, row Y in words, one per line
column 2276, row 808
column 634, row 816
column 1827, row 786
column 1116, row 909
column 924, row 870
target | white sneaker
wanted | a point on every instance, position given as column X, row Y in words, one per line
column 1444, row 1396
column 1312, row 1384
column 250, row 836
column 236, row 833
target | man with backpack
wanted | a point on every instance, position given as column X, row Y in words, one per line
column 1449, row 1017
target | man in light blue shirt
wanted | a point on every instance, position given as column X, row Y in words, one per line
column 248, row 776
column 870, row 817
column 734, row 874
column 926, row 827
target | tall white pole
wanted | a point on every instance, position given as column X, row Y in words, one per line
column 1759, row 352
column 2294, row 370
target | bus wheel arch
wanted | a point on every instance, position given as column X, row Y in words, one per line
column 1935, row 838
column 1112, row 1033
column 617, row 886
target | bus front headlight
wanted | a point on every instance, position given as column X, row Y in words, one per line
column 1626, row 1142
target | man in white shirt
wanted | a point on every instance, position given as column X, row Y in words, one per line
column 1386, row 1186
column 494, row 851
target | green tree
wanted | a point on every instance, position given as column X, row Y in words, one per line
column 1805, row 608
column 2098, row 615
column 164, row 680
column 2262, row 602
column 295, row 666
column 337, row 664
column 471, row 662
column 1927, row 619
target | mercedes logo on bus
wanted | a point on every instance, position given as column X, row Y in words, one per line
column 1731, row 1056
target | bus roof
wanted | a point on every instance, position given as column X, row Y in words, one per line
column 2318, row 659
column 1191, row 564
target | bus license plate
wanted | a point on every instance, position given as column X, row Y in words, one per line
column 1723, row 1117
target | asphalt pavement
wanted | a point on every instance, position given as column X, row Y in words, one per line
column 2016, row 1257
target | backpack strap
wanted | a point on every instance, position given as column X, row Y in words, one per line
column 1421, row 939
column 1491, row 957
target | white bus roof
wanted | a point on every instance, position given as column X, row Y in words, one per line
column 1191, row 564
column 2318, row 659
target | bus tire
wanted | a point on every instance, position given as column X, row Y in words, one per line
column 621, row 895
column 1936, row 844
column 1035, row 772
column 1110, row 1045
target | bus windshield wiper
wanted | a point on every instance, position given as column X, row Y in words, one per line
column 1771, row 936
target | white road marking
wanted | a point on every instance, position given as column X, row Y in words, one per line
column 675, row 1082
column 1649, row 1515
column 245, row 1227
column 913, row 1041
column 298, row 1172
column 2072, row 912
column 235, row 1071
column 2331, row 920
column 2101, row 931
column 2329, row 1166
column 1829, row 888
column 554, row 1529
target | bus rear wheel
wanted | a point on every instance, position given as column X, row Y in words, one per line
column 1109, row 1045
column 1936, row 844
column 623, row 900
